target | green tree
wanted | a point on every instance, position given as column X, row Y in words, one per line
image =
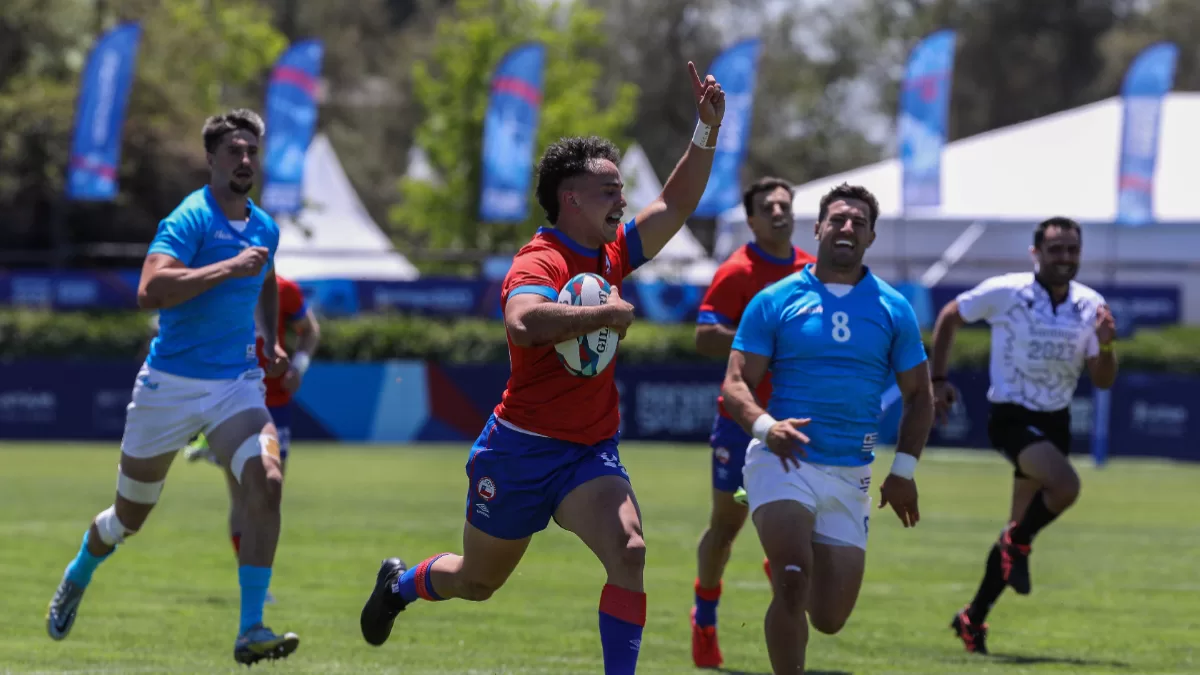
column 195, row 57
column 452, row 88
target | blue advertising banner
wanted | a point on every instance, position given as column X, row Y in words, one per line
column 70, row 290
column 510, row 135
column 291, row 118
column 100, row 115
column 736, row 69
column 658, row 301
column 411, row 401
column 923, row 121
column 1149, row 78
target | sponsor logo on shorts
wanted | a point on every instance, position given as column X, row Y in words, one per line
column 482, row 510
column 486, row 489
column 610, row 460
column 722, row 455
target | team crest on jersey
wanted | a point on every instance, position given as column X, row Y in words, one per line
column 486, row 489
column 607, row 266
column 722, row 455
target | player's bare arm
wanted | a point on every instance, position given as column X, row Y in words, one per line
column 917, row 416
column 308, row 337
column 662, row 218
column 742, row 377
column 1102, row 368
column 714, row 339
column 534, row 321
column 308, row 332
column 267, row 315
column 167, row 282
column 948, row 322
column 899, row 489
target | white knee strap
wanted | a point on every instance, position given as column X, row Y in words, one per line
column 112, row 531
column 255, row 446
column 136, row 491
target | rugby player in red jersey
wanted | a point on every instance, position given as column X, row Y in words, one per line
column 748, row 270
column 550, row 448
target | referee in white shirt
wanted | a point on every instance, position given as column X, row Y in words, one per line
column 1045, row 329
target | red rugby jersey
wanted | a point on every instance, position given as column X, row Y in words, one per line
column 542, row 396
column 747, row 271
column 292, row 308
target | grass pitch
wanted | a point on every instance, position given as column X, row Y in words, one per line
column 1116, row 581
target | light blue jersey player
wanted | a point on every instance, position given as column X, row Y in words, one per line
column 209, row 273
column 832, row 335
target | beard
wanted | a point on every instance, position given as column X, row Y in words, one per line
column 1057, row 274
column 240, row 188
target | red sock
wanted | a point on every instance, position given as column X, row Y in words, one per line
column 767, row 569
column 622, row 616
column 237, row 543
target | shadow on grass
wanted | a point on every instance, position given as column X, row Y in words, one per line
column 727, row 671
column 1032, row 660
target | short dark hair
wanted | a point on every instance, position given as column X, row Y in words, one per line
column 765, row 184
column 217, row 126
column 848, row 191
column 1039, row 232
column 567, row 158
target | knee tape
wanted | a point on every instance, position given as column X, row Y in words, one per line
column 255, row 446
column 112, row 530
column 136, row 491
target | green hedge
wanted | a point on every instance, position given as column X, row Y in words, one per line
column 35, row 334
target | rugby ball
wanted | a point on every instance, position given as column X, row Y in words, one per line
column 587, row 355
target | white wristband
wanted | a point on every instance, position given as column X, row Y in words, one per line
column 301, row 361
column 904, row 465
column 700, row 136
column 761, row 426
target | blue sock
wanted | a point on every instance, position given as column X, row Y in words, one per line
column 254, row 582
column 417, row 582
column 81, row 568
column 707, row 600
column 622, row 616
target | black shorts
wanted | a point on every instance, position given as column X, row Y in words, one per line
column 1012, row 428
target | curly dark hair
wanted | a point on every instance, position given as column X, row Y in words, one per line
column 217, row 126
column 567, row 158
column 848, row 191
column 766, row 184
column 1039, row 232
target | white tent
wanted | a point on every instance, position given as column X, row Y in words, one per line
column 683, row 257
column 1064, row 163
column 334, row 237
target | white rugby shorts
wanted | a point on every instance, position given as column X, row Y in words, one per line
column 837, row 495
column 168, row 410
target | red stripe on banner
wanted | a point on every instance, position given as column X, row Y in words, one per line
column 519, row 88
column 926, row 85
column 1134, row 182
column 450, row 405
column 99, row 168
column 297, row 77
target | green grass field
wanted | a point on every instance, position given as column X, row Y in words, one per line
column 1116, row 581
